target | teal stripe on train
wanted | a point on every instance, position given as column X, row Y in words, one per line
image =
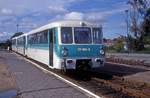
column 79, row 51
column 39, row 46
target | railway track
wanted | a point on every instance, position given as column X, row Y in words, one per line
column 109, row 86
column 115, row 87
column 106, row 85
column 124, row 89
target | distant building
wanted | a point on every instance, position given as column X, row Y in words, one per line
column 109, row 42
column 112, row 42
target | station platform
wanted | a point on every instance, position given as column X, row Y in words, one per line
column 33, row 83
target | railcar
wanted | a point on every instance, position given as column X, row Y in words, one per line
column 65, row 45
column 14, row 44
column 21, row 42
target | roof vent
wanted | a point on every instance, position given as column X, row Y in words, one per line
column 82, row 24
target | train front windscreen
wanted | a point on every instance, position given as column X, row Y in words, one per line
column 82, row 35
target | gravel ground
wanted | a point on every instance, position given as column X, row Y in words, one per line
column 133, row 56
column 140, row 77
column 33, row 83
column 7, row 82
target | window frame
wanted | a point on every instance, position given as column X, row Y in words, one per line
column 101, row 35
column 83, row 43
column 33, row 38
column 71, row 34
column 91, row 29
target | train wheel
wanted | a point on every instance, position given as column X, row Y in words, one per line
column 64, row 70
column 83, row 72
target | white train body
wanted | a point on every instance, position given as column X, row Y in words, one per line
column 63, row 44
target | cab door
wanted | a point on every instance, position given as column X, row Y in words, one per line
column 51, row 45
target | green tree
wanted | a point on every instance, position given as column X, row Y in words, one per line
column 146, row 27
column 119, row 44
column 137, row 14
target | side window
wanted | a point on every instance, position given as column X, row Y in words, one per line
column 66, row 35
column 38, row 38
column 32, row 39
column 13, row 41
column 18, row 42
column 35, row 39
column 42, row 37
column 29, row 39
column 54, row 34
column 97, row 35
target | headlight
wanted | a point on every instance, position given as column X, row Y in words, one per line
column 102, row 52
column 64, row 51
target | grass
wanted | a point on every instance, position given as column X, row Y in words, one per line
column 144, row 51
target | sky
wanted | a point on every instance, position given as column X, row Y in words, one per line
column 31, row 14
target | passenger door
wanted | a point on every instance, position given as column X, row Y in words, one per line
column 24, row 45
column 51, row 47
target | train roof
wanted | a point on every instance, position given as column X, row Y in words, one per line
column 64, row 23
column 19, row 36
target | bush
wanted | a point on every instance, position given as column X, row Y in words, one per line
column 119, row 46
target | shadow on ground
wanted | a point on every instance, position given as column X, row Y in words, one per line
column 118, row 70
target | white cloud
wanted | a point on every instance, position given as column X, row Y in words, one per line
column 115, row 11
column 102, row 16
column 3, row 34
column 123, row 25
column 31, row 11
column 69, row 16
column 91, row 16
column 95, row 16
column 6, row 11
column 74, row 16
column 39, row 12
column 23, row 7
column 57, row 9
